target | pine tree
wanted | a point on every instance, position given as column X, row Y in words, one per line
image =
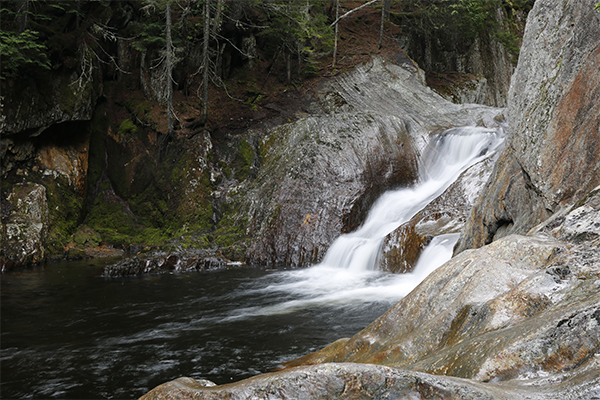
column 20, row 46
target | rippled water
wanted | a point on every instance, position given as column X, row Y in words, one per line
column 67, row 333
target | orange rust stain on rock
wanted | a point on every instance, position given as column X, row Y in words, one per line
column 574, row 149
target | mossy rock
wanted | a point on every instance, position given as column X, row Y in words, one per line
column 126, row 130
column 230, row 235
column 244, row 159
column 65, row 207
column 86, row 237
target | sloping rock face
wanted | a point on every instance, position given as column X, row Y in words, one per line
column 553, row 157
column 327, row 185
column 321, row 174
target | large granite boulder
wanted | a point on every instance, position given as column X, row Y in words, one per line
column 553, row 156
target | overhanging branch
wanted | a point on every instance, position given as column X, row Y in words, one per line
column 353, row 10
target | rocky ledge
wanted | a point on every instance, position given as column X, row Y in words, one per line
column 165, row 263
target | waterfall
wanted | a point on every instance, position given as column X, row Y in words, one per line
column 348, row 274
column 442, row 162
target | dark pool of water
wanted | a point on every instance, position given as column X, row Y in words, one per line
column 68, row 333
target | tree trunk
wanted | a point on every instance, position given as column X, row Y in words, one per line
column 337, row 15
column 78, row 15
column 289, row 67
column 169, row 66
column 23, row 15
column 385, row 14
column 353, row 11
column 217, row 19
column 205, row 62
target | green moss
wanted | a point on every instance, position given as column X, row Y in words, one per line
column 108, row 218
column 65, row 207
column 265, row 146
column 244, row 159
column 86, row 237
column 127, row 128
column 139, row 107
column 230, row 236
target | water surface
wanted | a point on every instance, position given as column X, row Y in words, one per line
column 69, row 334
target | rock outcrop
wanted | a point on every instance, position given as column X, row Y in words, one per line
column 38, row 104
column 24, row 225
column 331, row 381
column 553, row 156
column 321, row 174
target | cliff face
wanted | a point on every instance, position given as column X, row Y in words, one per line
column 481, row 60
column 552, row 158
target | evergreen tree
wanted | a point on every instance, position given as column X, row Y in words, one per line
column 298, row 28
column 21, row 48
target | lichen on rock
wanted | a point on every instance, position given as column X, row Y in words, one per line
column 24, row 225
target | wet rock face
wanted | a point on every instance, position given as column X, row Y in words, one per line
column 553, row 157
column 24, row 225
column 402, row 248
column 164, row 264
column 446, row 214
column 322, row 181
column 321, row 174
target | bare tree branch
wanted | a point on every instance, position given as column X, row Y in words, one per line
column 353, row 10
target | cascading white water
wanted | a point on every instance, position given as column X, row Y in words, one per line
column 447, row 156
column 348, row 273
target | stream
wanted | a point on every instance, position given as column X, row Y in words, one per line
column 68, row 333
